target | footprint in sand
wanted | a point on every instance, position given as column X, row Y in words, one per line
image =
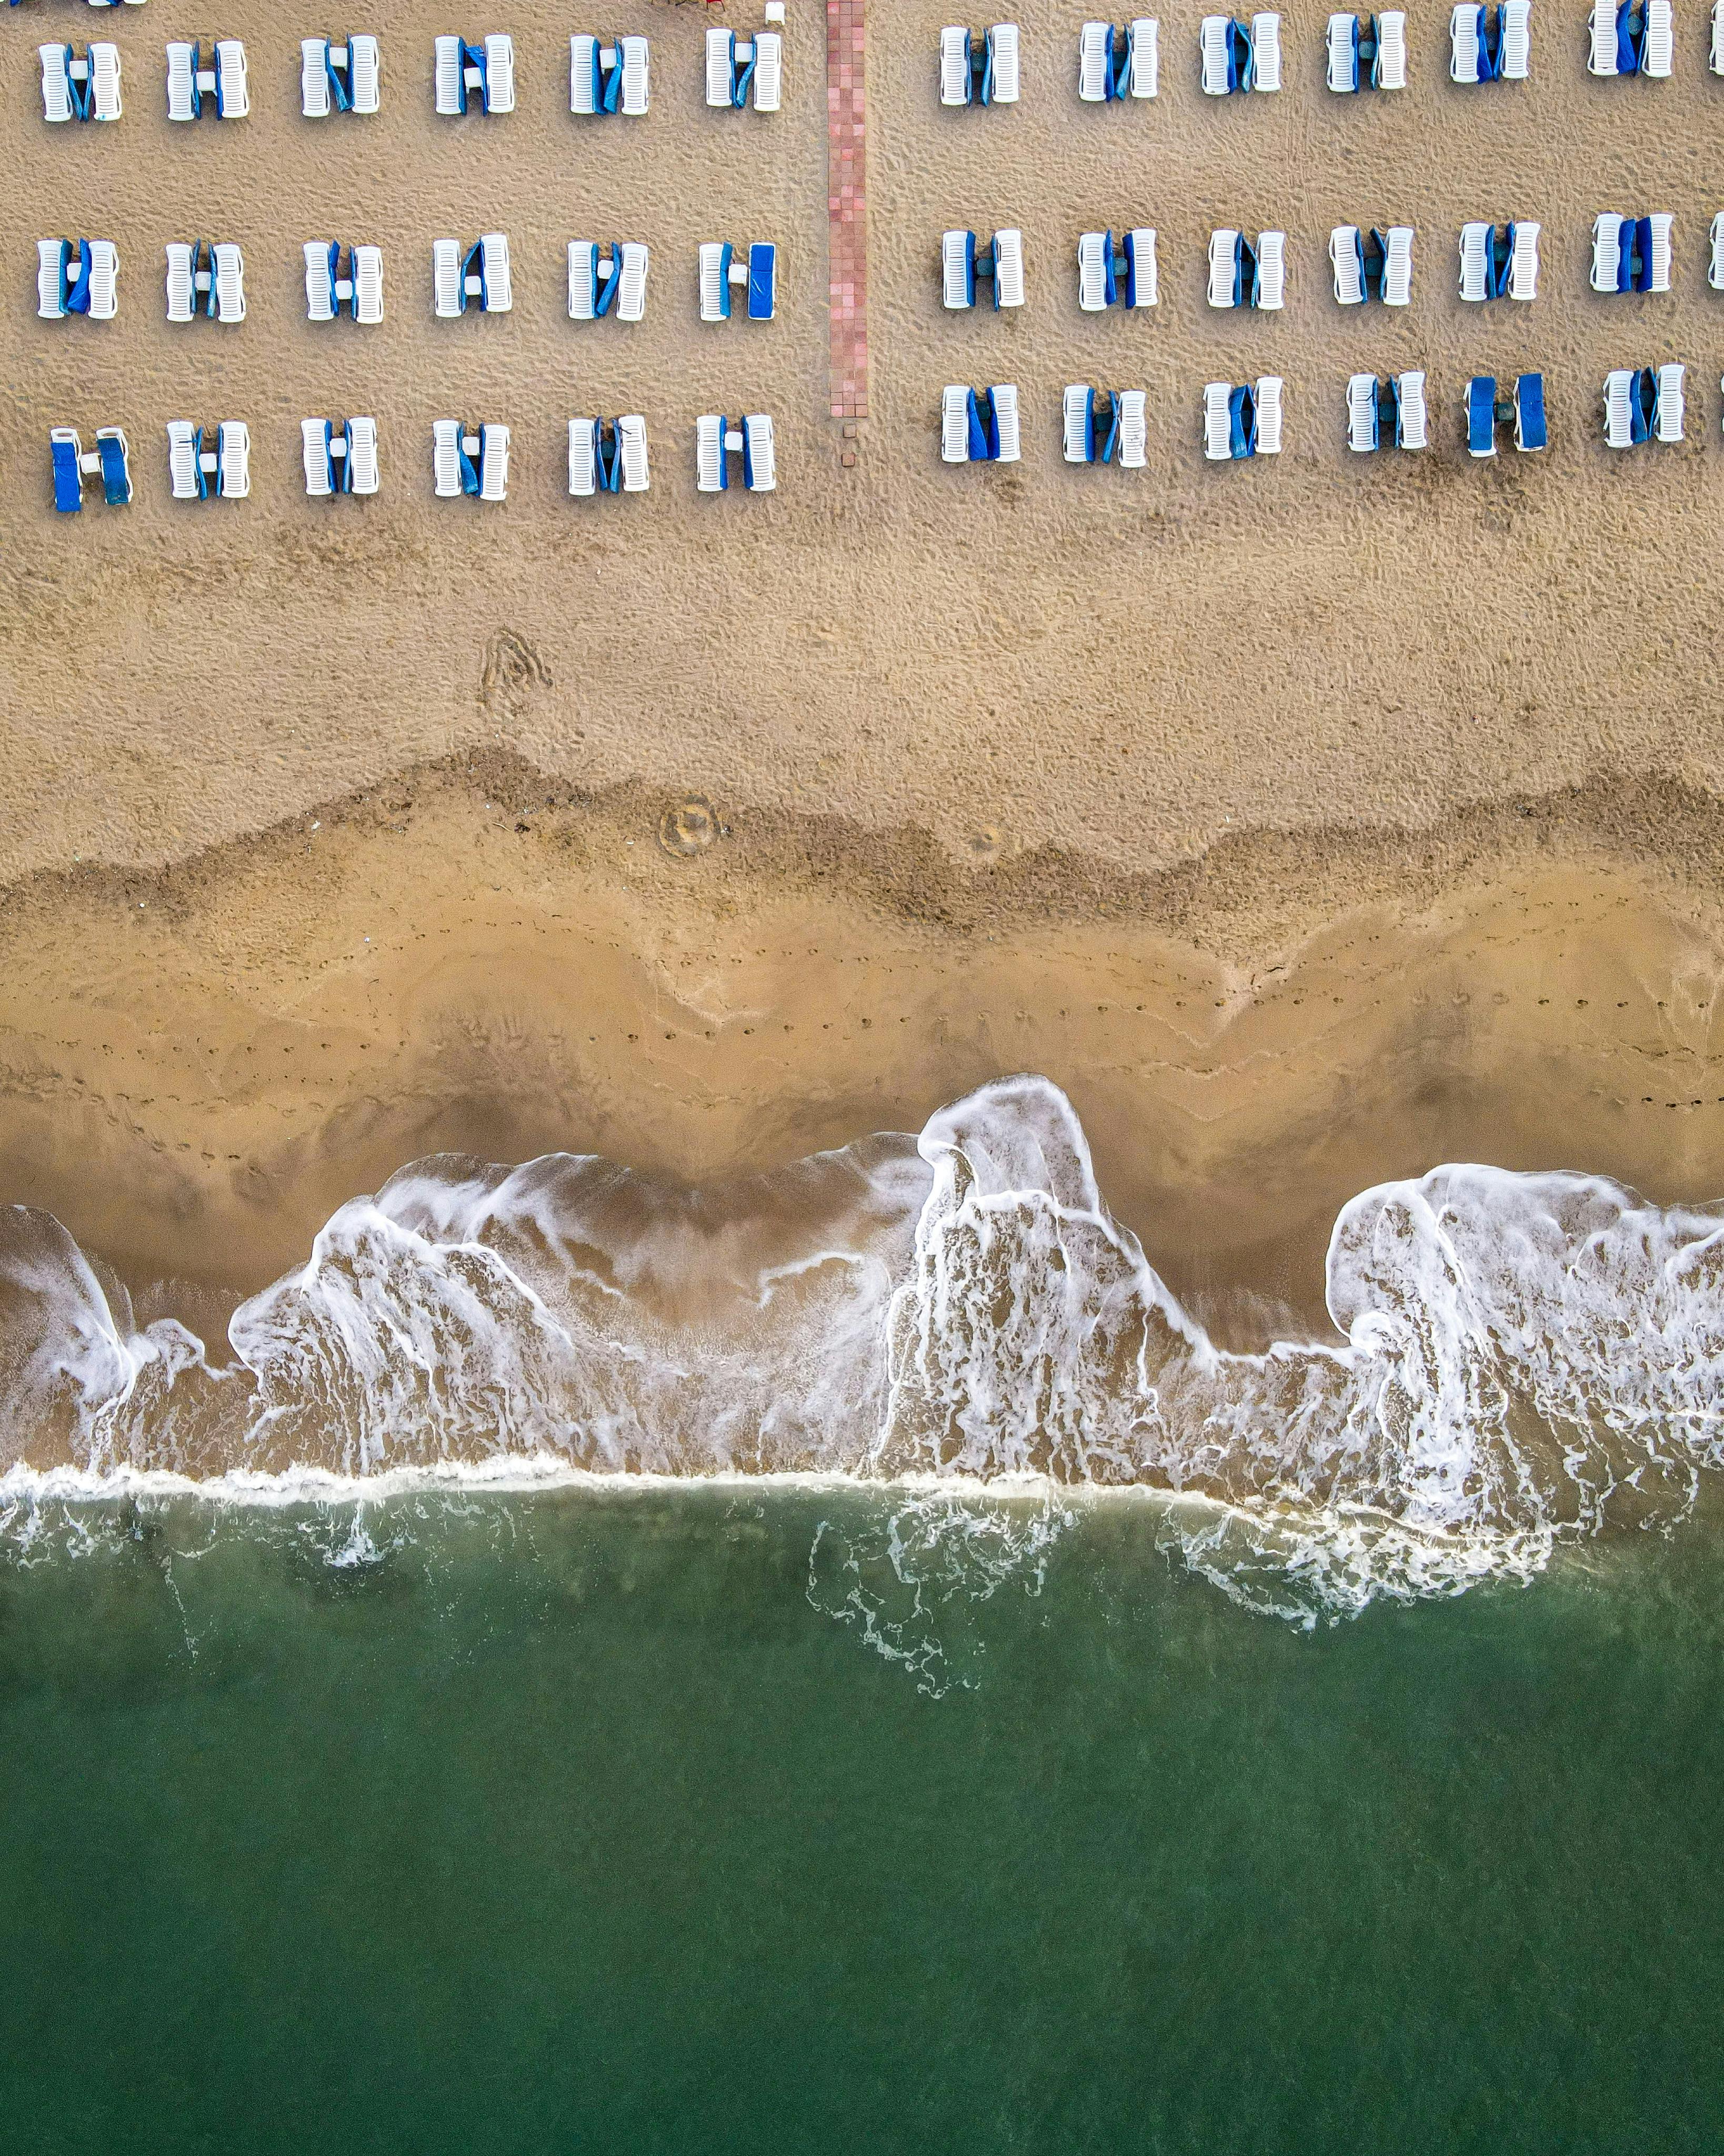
column 690, row 827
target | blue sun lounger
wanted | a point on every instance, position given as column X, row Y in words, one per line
column 1481, row 416
column 67, row 452
column 1529, row 429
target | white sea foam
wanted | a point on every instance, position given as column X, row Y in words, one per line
column 1518, row 1359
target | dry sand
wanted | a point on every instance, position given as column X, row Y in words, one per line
column 1003, row 754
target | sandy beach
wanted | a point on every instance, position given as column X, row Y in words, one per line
column 1310, row 820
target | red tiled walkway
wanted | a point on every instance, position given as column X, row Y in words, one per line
column 847, row 208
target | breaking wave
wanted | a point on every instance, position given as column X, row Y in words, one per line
column 1520, row 1360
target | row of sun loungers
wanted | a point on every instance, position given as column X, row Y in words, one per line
column 73, row 464
column 344, row 74
column 205, row 278
column 1116, row 61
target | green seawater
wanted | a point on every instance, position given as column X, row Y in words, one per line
column 578, row 1821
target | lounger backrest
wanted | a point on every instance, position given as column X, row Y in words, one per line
column 720, row 66
column 103, row 81
column 314, row 445
column 1008, row 286
column 447, row 296
column 1218, row 432
column 1077, row 423
column 1715, row 271
column 1005, row 396
column 1388, row 70
column 1659, row 268
column 1271, row 271
column 1347, row 253
column 1002, row 54
column 954, row 65
column 362, row 456
column 1669, row 407
column 1212, row 48
column 368, row 285
column 365, row 73
column 957, row 269
column 1475, row 241
column 1144, row 76
column 1224, row 267
column 1409, row 410
column 1266, row 52
column 229, row 281
column 497, row 297
column 446, row 458
column 583, row 458
column 1514, row 19
column 1618, row 414
column 182, row 81
column 1607, row 251
column 637, row 76
column 1601, row 55
column 183, row 476
column 1362, row 411
column 450, row 93
column 954, row 424
column 1523, row 261
column 631, row 289
column 768, row 70
column 1343, row 51
column 51, row 278
column 56, row 83
column 314, row 78
column 1659, row 50
column 1398, row 266
column 1095, row 62
column 1133, row 407
column 1093, row 250
column 499, row 72
column 1142, row 278
column 632, row 444
column 232, row 95
column 103, row 280
column 711, row 475
column 1465, row 26
column 234, row 460
column 1481, row 416
column 181, row 292
column 493, row 462
column 1269, row 415
column 760, row 459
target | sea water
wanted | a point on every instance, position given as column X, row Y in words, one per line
column 769, row 1816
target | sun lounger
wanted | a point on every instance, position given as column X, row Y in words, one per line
column 1001, row 85
column 1618, row 407
column 1347, row 255
column 314, row 86
column 1341, row 45
column 233, row 460
column 1008, row 287
column 1715, row 271
column 1669, row 404
column 955, row 86
column 1269, row 415
column 365, row 74
column 592, row 290
column 1224, row 268
column 182, row 92
column 367, row 285
column 493, row 462
column 450, row 94
column 1215, row 53
column 361, row 476
column 1398, row 266
column 583, row 458
column 320, row 466
column 759, row 466
column 1077, row 423
column 632, row 450
column 632, row 279
column 1133, row 408
column 185, row 479
column 591, row 87
column 1002, row 396
column 1144, row 69
column 57, row 102
column 1468, row 60
column 66, row 453
column 1481, row 416
column 954, row 423
column 711, row 474
column 229, row 281
column 103, row 280
column 232, row 95
column 1654, row 244
column 1095, row 277
column 114, row 459
column 1530, row 432
column 495, row 292
column 1475, row 241
column 1266, row 52
column 957, row 269
column 1361, row 423
column 1715, row 50
column 1388, row 66
column 104, row 63
column 1270, row 284
column 715, row 258
column 1658, row 45
column 452, row 469
column 637, row 68
column 1096, row 63
column 768, row 70
column 1408, row 393
column 499, row 84
column 1611, row 47
column 1217, row 428
column 1142, row 280
column 1607, row 265
column 51, row 278
column 1515, row 32
column 322, row 259
column 1523, row 260
column 446, row 297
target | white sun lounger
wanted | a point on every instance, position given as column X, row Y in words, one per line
column 232, row 95
column 1523, row 262
column 1410, row 425
column 1008, row 287
column 1145, row 76
column 1475, row 242
column 1398, row 266
column 234, row 460
column 632, row 445
column 1224, row 262
column 1362, row 425
column 50, row 278
column 495, row 294
column 1005, row 413
column 182, row 290
column 712, row 275
column 954, row 424
column 1134, row 428
column 104, row 81
column 760, row 459
column 1661, row 222
column 1095, row 64
column 1002, row 50
column 448, row 97
column 314, row 80
column 499, row 73
column 1093, row 247
column 183, row 460
column 631, row 283
column 637, row 70
column 1601, row 53
column 1607, row 250
column 1671, row 403
column 1266, row 52
column 368, row 285
column 1516, row 20
column 1269, row 415
column 720, row 66
column 584, row 50
column 955, row 271
column 1218, row 428
column 1660, row 51
column 1143, row 277
column 362, row 456
column 1075, row 409
column 1715, row 51
column 1212, row 48
column 320, row 282
column 56, row 84
column 1715, row 269
column 1348, row 261
column 182, row 81
column 493, row 462
column 320, row 477
column 103, row 280
column 1271, row 271
column 954, row 66
column 709, row 476
column 583, row 458
column 1618, row 392
column 1391, row 69
column 1342, row 46
column 446, row 295
column 446, row 459
column 229, row 275
column 768, row 94
column 366, row 75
